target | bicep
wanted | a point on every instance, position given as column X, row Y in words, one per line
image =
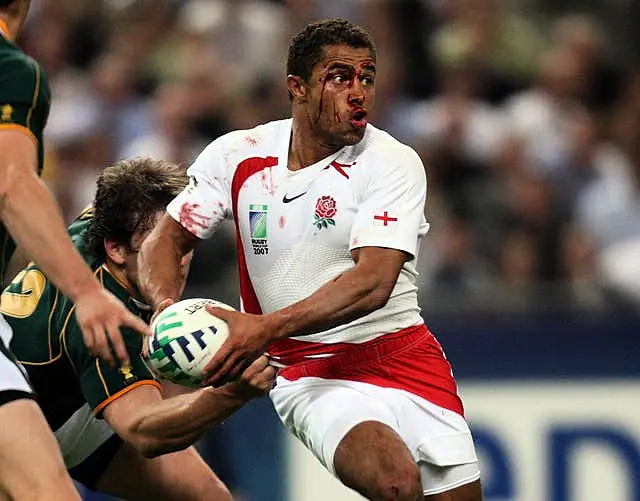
column 124, row 412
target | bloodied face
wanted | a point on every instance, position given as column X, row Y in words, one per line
column 340, row 94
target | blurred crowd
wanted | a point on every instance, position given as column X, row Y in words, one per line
column 526, row 114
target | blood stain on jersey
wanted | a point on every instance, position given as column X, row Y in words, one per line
column 282, row 221
column 325, row 212
column 190, row 219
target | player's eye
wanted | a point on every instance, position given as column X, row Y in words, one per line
column 339, row 79
column 367, row 81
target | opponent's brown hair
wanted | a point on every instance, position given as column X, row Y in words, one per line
column 129, row 195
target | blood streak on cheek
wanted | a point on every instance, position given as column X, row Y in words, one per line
column 191, row 219
column 321, row 103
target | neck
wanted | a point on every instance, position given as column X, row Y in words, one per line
column 305, row 149
column 118, row 273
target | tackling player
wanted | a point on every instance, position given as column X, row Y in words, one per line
column 113, row 427
column 30, row 464
column 329, row 213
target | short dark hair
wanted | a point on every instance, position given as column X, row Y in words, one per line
column 307, row 47
column 129, row 195
column 6, row 3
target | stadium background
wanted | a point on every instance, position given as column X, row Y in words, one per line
column 527, row 116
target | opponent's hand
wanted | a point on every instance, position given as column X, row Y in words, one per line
column 256, row 381
column 100, row 315
column 248, row 337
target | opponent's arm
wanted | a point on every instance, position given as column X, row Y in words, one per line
column 155, row 426
column 31, row 215
column 160, row 269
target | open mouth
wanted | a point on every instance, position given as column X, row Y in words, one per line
column 359, row 118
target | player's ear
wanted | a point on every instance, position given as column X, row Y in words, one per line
column 297, row 89
column 115, row 251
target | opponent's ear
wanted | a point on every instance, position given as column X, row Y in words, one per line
column 115, row 251
column 297, row 89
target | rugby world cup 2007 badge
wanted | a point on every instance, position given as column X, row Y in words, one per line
column 258, row 228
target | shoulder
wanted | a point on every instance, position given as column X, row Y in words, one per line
column 233, row 147
column 381, row 152
column 18, row 65
column 245, row 141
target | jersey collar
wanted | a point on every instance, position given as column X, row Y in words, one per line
column 4, row 29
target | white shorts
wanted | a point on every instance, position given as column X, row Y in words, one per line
column 81, row 435
column 13, row 377
column 320, row 412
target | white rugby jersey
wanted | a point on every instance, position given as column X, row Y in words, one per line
column 296, row 228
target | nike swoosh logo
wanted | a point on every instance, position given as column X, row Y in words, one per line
column 287, row 200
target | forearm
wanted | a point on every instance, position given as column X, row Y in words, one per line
column 31, row 215
column 348, row 297
column 161, row 273
column 176, row 423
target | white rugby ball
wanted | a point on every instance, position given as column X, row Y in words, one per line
column 184, row 339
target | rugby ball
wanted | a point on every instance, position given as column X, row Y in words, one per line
column 184, row 339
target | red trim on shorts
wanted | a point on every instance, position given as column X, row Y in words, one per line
column 244, row 171
column 410, row 360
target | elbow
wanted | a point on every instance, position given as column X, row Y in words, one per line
column 151, row 445
column 379, row 296
column 12, row 179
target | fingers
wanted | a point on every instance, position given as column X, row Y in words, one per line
column 212, row 369
column 100, row 346
column 136, row 323
column 221, row 313
column 115, row 337
column 161, row 306
column 258, row 365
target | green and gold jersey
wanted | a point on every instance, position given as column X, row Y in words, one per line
column 25, row 100
column 48, row 341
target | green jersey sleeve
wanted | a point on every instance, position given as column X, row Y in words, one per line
column 25, row 97
column 100, row 383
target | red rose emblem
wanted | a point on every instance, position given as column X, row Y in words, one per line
column 326, row 207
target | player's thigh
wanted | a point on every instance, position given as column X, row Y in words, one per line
column 31, row 466
column 179, row 476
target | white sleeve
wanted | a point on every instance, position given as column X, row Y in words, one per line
column 392, row 201
column 205, row 202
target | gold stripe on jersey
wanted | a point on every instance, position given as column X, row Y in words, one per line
column 36, row 94
column 104, row 383
column 63, row 338
column 49, row 336
column 20, row 128
column 124, row 391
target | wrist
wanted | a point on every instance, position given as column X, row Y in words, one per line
column 84, row 288
column 276, row 325
column 235, row 393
